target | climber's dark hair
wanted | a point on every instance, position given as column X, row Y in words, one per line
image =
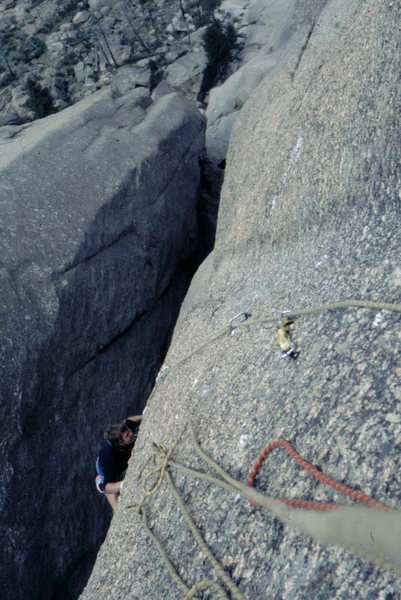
column 113, row 433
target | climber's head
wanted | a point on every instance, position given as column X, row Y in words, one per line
column 118, row 434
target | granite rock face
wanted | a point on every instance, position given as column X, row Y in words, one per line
column 276, row 34
column 310, row 214
column 98, row 218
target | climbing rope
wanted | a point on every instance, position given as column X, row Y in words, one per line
column 289, row 315
column 167, row 562
column 255, row 497
column 340, row 487
column 190, row 593
column 378, row 555
column 161, row 471
column 158, row 470
column 236, row 593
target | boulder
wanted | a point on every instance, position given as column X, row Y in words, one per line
column 181, row 24
column 53, row 42
column 129, row 77
column 61, row 89
column 218, row 135
column 20, row 102
column 81, row 17
column 5, row 97
column 79, row 71
column 235, row 8
column 162, row 89
column 309, row 216
column 121, row 52
column 99, row 215
column 186, row 68
column 11, row 119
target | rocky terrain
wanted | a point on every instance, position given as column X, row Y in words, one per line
column 108, row 205
column 99, row 219
column 71, row 49
column 309, row 215
column 74, row 48
column 89, row 289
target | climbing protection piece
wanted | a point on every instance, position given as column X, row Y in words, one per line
column 283, row 336
column 246, row 322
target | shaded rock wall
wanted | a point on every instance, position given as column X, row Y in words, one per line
column 99, row 215
column 310, row 213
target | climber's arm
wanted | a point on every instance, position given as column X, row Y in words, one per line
column 135, row 419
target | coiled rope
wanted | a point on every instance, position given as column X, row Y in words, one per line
column 255, row 497
column 162, row 474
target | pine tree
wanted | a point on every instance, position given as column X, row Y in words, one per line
column 220, row 44
column 40, row 100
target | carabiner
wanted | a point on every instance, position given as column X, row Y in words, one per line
column 243, row 314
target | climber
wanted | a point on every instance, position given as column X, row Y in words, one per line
column 113, row 458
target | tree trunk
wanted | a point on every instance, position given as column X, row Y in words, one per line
column 7, row 65
column 138, row 37
column 107, row 45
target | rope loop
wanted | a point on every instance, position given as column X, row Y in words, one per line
column 161, row 471
column 304, row 464
column 383, row 557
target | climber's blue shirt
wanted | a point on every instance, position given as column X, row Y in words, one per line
column 113, row 462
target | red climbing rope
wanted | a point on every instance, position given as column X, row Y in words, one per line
column 340, row 487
